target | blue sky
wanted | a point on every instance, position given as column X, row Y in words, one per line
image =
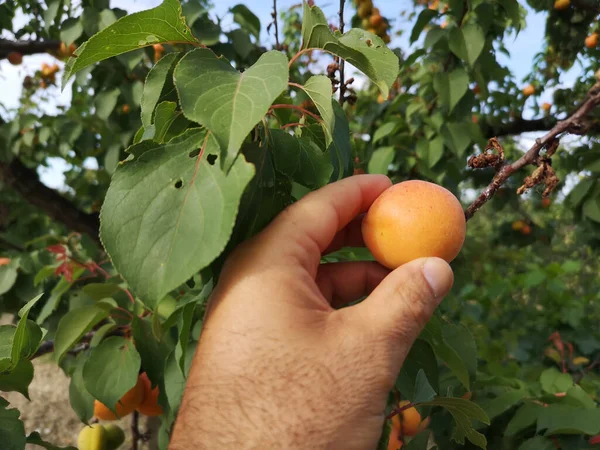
column 522, row 50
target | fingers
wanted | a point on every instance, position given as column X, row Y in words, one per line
column 305, row 229
column 342, row 283
column 399, row 308
column 349, row 236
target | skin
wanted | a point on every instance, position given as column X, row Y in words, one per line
column 278, row 364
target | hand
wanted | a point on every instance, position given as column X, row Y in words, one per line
column 279, row 365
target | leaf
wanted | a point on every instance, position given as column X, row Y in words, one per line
column 70, row 30
column 246, row 19
column 513, row 11
column 381, row 160
column 74, row 325
column 167, row 215
column 421, row 441
column 463, row 412
column 35, row 439
column 164, row 117
column 185, row 324
column 8, row 276
column 451, row 87
column 105, row 103
column 503, row 402
column 341, row 148
column 174, row 382
column 12, row 429
column 152, row 351
column 318, row 88
column 385, row 130
column 162, row 24
column 562, row 419
column 27, row 335
column 240, row 40
column 424, row 18
column 56, row 294
column 365, row 51
column 420, row 358
column 591, row 209
column 434, row 336
column 436, row 151
column 80, row 399
column 456, row 136
column 111, row 370
column 462, row 342
column 525, row 417
column 156, row 80
column 553, row 381
column 467, row 42
column 99, row 291
column 18, row 379
column 423, row 390
column 301, row 159
column 7, row 333
column 537, row 443
column 227, row 102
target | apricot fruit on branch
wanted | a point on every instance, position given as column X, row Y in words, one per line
column 92, row 438
column 414, row 219
column 149, row 406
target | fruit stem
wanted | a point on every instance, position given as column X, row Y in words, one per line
column 398, row 410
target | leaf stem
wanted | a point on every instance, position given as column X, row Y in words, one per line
column 297, row 108
column 296, row 85
column 298, row 55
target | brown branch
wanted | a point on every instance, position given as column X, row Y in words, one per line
column 573, row 124
column 277, row 45
column 341, row 68
column 26, row 47
column 135, row 430
column 25, row 181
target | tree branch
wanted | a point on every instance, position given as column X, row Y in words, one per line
column 573, row 124
column 26, row 47
column 277, row 45
column 25, row 181
column 342, row 85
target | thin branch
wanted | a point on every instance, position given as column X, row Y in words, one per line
column 298, row 55
column 574, row 124
column 27, row 47
column 297, row 108
column 398, row 410
column 135, row 430
column 341, row 70
column 277, row 45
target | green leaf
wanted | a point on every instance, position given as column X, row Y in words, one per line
column 463, row 412
column 537, row 443
column 174, row 382
column 364, row 50
column 301, row 159
column 8, row 276
column 240, row 40
column 70, row 30
column 421, row 441
column 580, row 191
column 167, row 214
column 341, row 148
column 381, row 160
column 7, row 333
column 457, row 137
column 56, row 294
column 111, row 370
column 227, row 102
column 553, row 381
column 451, row 87
column 525, row 417
column 562, row 419
column 80, row 399
column 591, row 209
column 462, row 342
column 27, row 335
column 246, row 19
column 385, row 130
column 164, row 117
column 73, row 325
column 18, row 379
column 153, row 87
column 433, row 334
column 423, row 390
column 12, row 429
column 165, row 23
column 436, row 151
column 99, row 291
column 513, row 11
column 503, row 402
column 35, row 439
column 420, row 358
column 152, row 351
column 424, row 18
column 467, row 42
column 318, row 88
column 185, row 325
column 105, row 103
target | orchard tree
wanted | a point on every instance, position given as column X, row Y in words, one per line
column 202, row 134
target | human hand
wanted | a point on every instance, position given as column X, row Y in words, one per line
column 279, row 365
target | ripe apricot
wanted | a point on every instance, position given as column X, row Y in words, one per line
column 15, row 58
column 526, row 230
column 409, row 420
column 546, row 106
column 376, row 20
column 365, row 9
column 4, row 261
column 128, row 403
column 149, row 405
column 518, row 225
column 562, row 4
column 414, row 219
column 126, row 108
column 592, row 40
column 394, row 443
column 528, row 90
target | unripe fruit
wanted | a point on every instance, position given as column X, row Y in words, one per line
column 409, row 420
column 528, row 90
column 92, row 438
column 15, row 58
column 364, row 10
column 149, row 406
column 128, row 403
column 365, row 23
column 562, row 4
column 115, row 436
column 592, row 40
column 518, row 225
column 414, row 219
column 546, row 106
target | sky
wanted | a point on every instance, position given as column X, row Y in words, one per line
column 522, row 48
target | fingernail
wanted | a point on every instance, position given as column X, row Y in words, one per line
column 438, row 274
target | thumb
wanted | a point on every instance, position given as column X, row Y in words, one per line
column 402, row 304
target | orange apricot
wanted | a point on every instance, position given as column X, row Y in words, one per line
column 414, row 219
column 592, row 40
column 126, row 108
column 546, row 106
column 409, row 420
column 395, row 443
column 528, row 90
column 149, row 406
column 546, row 202
column 15, row 58
column 526, row 230
column 4, row 261
column 128, row 403
column 376, row 20
column 562, row 4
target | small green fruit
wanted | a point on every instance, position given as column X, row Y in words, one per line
column 115, row 436
column 92, row 438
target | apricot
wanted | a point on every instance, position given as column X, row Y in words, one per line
column 149, row 406
column 4, row 261
column 15, row 58
column 395, row 443
column 546, row 106
column 92, row 438
column 128, row 403
column 115, row 436
column 126, row 108
column 386, row 38
column 592, row 40
column 518, row 225
column 546, row 202
column 562, row 4
column 414, row 219
column 376, row 20
column 476, row 89
column 526, row 230
column 365, row 9
column 444, row 24
column 528, row 90
column 409, row 420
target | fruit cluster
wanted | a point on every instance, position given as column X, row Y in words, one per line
column 406, row 423
column 372, row 20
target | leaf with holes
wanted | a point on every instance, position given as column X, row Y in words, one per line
column 168, row 213
column 227, row 102
column 365, row 51
column 165, row 23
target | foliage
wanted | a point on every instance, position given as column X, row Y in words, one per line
column 201, row 135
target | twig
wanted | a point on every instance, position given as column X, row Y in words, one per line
column 135, row 431
column 297, row 108
column 342, row 85
column 573, row 124
column 298, row 55
column 398, row 410
column 277, row 45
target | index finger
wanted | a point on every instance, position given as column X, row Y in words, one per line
column 305, row 229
